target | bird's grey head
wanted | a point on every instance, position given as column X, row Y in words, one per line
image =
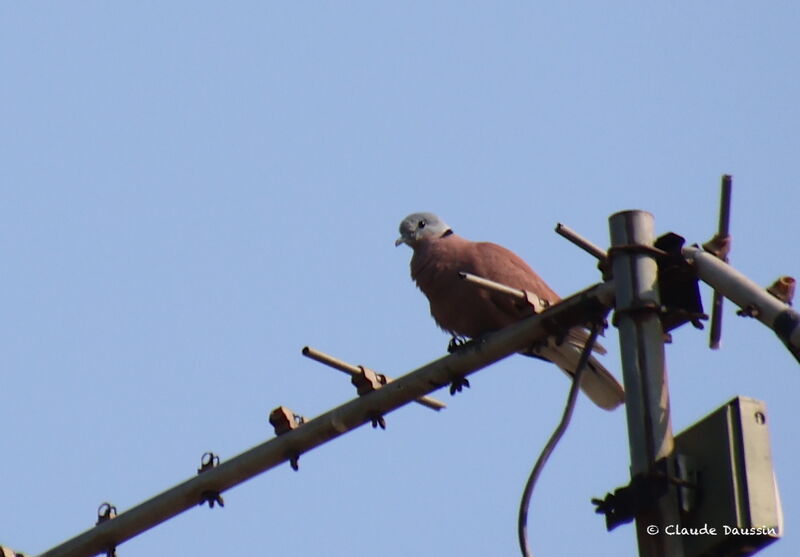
column 420, row 227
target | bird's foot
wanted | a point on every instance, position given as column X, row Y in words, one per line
column 458, row 384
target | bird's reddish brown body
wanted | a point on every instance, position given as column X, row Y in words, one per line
column 461, row 308
column 465, row 310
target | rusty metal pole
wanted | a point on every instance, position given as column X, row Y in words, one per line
column 641, row 337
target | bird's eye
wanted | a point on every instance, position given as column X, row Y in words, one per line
column 421, row 224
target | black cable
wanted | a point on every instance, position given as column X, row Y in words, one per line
column 522, row 522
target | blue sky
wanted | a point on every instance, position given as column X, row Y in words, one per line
column 192, row 192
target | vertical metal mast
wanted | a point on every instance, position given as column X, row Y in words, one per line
column 647, row 395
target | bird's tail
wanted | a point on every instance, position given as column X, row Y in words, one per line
column 597, row 382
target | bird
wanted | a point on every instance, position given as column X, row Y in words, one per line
column 466, row 311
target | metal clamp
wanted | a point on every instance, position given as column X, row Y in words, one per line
column 783, row 289
column 208, row 461
column 105, row 512
column 367, row 381
column 378, row 421
column 211, row 497
column 625, row 503
column 283, row 420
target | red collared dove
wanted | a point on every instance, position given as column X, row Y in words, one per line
column 465, row 310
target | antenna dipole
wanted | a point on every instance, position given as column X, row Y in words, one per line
column 720, row 246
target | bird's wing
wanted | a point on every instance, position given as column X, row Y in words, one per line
column 504, row 266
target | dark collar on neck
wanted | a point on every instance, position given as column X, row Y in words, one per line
column 446, row 233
